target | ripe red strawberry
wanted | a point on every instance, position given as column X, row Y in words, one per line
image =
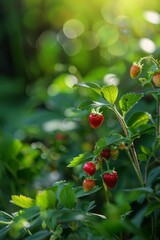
column 135, row 70
column 89, row 168
column 110, row 179
column 60, row 137
column 114, row 153
column 95, row 119
column 105, row 153
column 88, row 184
column 156, row 79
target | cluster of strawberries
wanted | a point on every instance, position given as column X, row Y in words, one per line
column 109, row 178
column 136, row 69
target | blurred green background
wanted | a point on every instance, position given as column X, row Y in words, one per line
column 46, row 46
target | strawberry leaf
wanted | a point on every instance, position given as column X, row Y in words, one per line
column 67, row 197
column 93, row 86
column 110, row 93
column 46, row 199
column 80, row 159
column 107, row 141
column 90, row 104
column 138, row 119
column 142, row 157
column 145, row 150
column 22, row 201
column 81, row 193
column 128, row 100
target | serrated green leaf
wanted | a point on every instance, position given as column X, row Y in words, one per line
column 110, row 93
column 46, row 199
column 142, row 157
column 81, row 193
column 91, row 85
column 128, row 100
column 144, row 129
column 67, row 197
column 80, row 159
column 100, row 145
column 90, row 104
column 138, row 119
column 22, row 201
column 106, row 141
column 114, row 138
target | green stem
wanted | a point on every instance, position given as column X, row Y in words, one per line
column 134, row 166
column 132, row 149
column 158, row 121
column 151, row 59
column 107, row 165
column 104, row 185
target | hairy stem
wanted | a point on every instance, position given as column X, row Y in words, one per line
column 151, row 59
column 158, row 121
column 132, row 149
column 134, row 166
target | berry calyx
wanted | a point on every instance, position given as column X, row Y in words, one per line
column 89, row 168
column 105, row 153
column 88, row 184
column 95, row 119
column 114, row 153
column 156, row 79
column 110, row 179
column 135, row 70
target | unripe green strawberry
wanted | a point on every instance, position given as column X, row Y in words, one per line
column 156, row 79
column 121, row 146
column 135, row 70
column 88, row 184
column 99, row 162
column 110, row 179
column 114, row 153
column 89, row 168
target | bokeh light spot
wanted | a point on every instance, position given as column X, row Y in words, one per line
column 73, row 28
column 152, row 17
column 111, row 79
column 70, row 80
column 72, row 46
column 147, row 45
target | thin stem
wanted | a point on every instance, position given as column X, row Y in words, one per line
column 135, row 168
column 104, row 185
column 107, row 165
column 158, row 121
column 136, row 160
column 132, row 149
column 150, row 58
column 155, row 146
column 121, row 120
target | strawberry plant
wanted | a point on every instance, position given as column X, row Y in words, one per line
column 63, row 211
